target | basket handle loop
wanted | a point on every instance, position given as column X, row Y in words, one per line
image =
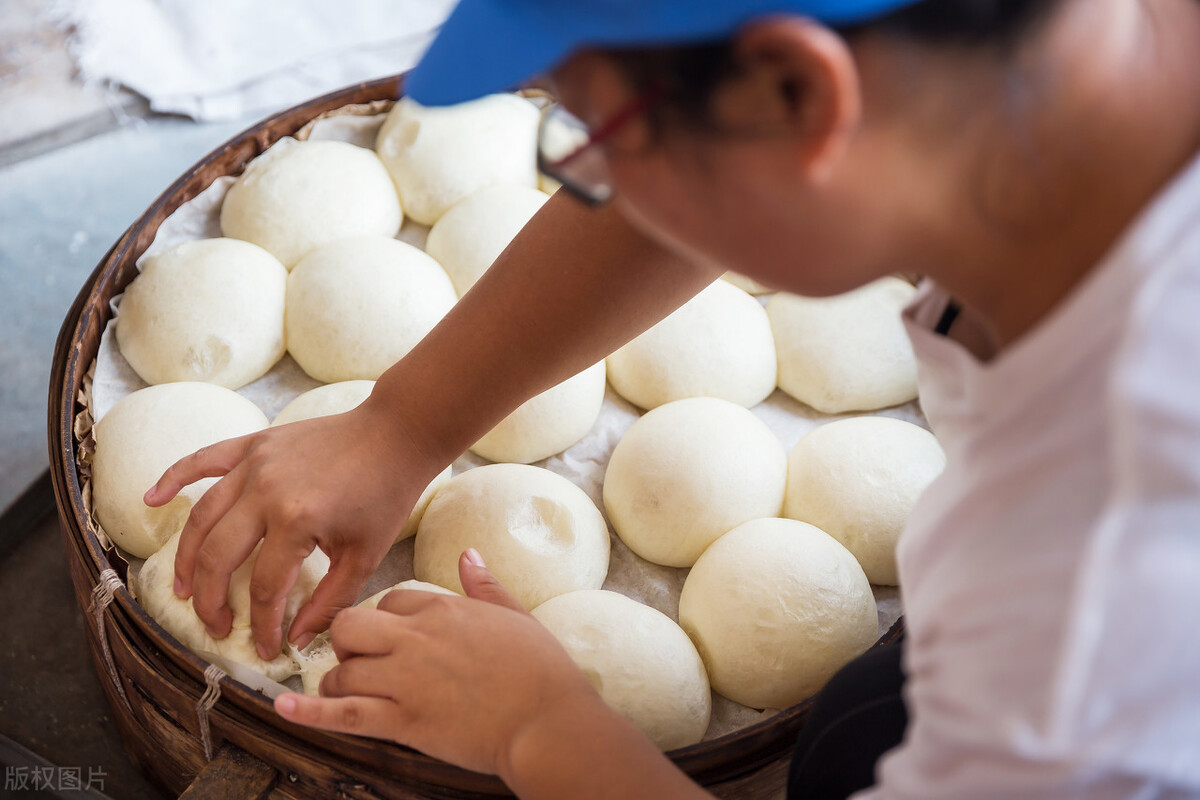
column 102, row 597
column 212, row 693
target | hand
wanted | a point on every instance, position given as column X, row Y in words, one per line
column 344, row 483
column 488, row 674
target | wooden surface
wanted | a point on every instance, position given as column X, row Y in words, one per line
column 232, row 775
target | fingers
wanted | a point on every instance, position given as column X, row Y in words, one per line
column 337, row 590
column 275, row 572
column 207, row 512
column 208, row 462
column 363, row 676
column 230, row 543
column 478, row 582
column 407, row 601
column 359, row 632
column 365, row 716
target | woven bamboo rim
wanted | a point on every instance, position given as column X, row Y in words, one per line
column 173, row 716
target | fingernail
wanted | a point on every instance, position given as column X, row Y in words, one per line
column 263, row 652
column 148, row 497
column 212, row 631
column 179, row 589
column 304, row 640
column 474, row 557
column 285, row 704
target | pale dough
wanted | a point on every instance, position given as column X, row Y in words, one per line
column 846, row 353
column 688, row 472
column 298, row 195
column 746, row 284
column 325, row 401
column 154, row 589
column 207, row 310
column 858, row 479
column 440, row 155
column 540, row 535
column 775, row 608
column 475, row 231
column 356, row 306
column 547, row 423
column 143, row 434
column 718, row 344
column 642, row 664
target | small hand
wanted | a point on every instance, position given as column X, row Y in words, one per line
column 487, row 671
column 344, row 483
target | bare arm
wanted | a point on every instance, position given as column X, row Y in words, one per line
column 572, row 287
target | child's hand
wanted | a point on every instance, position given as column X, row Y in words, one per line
column 461, row 679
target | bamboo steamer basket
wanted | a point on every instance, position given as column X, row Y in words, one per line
column 186, row 725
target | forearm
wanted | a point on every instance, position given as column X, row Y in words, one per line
column 589, row 752
column 573, row 286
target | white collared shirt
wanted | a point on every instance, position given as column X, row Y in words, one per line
column 1051, row 576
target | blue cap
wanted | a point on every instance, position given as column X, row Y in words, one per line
column 487, row 46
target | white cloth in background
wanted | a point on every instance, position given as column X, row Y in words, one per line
column 224, row 59
column 1052, row 574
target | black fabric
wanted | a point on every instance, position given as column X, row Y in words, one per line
column 856, row 718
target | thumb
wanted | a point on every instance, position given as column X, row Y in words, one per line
column 478, row 582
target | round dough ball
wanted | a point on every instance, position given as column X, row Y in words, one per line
column 475, row 231
column 356, row 306
column 846, row 353
column 718, row 344
column 409, row 585
column 325, row 401
column 688, row 472
column 338, row 398
column 540, row 535
column 858, row 480
column 439, row 155
column 155, row 592
column 144, row 433
column 746, row 284
column 642, row 664
column 299, row 195
column 208, row 310
column 775, row 608
column 547, row 423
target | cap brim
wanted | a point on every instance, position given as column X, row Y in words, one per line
column 485, row 46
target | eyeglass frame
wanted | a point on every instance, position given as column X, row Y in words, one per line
column 600, row 192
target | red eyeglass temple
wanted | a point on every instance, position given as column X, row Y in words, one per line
column 636, row 106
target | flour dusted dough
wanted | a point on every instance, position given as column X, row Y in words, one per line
column 143, row 434
column 858, row 479
column 775, row 607
column 207, row 310
column 356, row 306
column 154, row 587
column 688, row 472
column 846, row 353
column 298, row 195
column 718, row 344
column 547, row 423
column 642, row 664
column 319, row 657
column 540, row 535
column 338, row 398
column 325, row 401
column 475, row 231
column 438, row 156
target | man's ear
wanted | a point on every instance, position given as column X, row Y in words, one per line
column 799, row 77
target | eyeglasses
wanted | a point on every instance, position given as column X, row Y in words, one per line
column 568, row 152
